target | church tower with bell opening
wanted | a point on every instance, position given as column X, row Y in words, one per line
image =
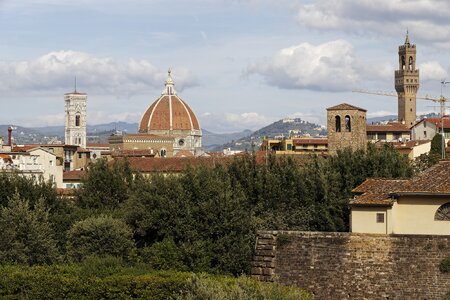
column 407, row 83
column 75, row 118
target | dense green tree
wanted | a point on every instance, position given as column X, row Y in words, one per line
column 436, row 145
column 208, row 219
column 28, row 188
column 101, row 236
column 25, row 233
column 106, row 185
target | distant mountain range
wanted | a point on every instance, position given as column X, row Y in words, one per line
column 211, row 141
column 100, row 133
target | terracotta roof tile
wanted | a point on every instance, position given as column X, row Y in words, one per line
column 435, row 180
column 316, row 141
column 372, row 199
column 73, row 175
column 345, row 106
column 437, row 121
column 390, row 127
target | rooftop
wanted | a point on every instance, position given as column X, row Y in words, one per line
column 379, row 192
column 345, row 106
column 389, row 127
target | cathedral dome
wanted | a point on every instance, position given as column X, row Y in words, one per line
column 168, row 112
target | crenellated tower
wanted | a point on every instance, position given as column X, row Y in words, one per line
column 407, row 82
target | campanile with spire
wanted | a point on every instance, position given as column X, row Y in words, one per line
column 407, row 82
column 75, row 116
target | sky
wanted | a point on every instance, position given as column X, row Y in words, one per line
column 239, row 64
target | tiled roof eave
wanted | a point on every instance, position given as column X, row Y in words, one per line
column 434, row 194
column 387, row 204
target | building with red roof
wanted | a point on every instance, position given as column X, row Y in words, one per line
column 420, row 205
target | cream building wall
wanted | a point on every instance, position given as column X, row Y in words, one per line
column 51, row 171
column 415, row 215
column 364, row 220
column 408, row 215
column 423, row 131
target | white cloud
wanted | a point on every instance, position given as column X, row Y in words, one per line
column 426, row 19
column 331, row 66
column 55, row 71
column 231, row 122
column 380, row 113
column 432, row 70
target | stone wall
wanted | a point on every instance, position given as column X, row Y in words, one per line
column 354, row 266
column 355, row 139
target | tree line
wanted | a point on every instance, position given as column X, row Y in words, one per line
column 202, row 220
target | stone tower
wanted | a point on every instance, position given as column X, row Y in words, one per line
column 75, row 115
column 346, row 125
column 407, row 82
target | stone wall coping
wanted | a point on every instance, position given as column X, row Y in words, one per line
column 346, row 234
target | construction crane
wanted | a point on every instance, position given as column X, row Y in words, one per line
column 441, row 100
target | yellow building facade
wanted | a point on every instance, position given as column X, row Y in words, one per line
column 420, row 205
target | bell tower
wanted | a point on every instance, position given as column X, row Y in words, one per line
column 75, row 118
column 407, row 82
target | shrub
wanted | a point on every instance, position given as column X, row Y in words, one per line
column 101, row 236
column 164, row 255
column 71, row 282
column 223, row 288
column 444, row 266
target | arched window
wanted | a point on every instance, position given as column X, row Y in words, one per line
column 443, row 213
column 338, row 123
column 77, row 120
column 410, row 64
column 163, row 152
column 348, row 124
column 403, row 63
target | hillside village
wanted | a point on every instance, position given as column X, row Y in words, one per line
column 382, row 190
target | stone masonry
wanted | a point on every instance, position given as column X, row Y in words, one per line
column 341, row 136
column 354, row 266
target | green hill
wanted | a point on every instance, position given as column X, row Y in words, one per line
column 282, row 128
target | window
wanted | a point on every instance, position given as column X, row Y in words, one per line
column 425, row 133
column 348, row 125
column 80, row 155
column 410, row 63
column 403, row 63
column 443, row 213
column 380, row 217
column 382, row 136
column 163, row 152
column 50, row 162
column 338, row 123
column 77, row 120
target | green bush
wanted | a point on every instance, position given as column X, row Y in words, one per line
column 444, row 266
column 243, row 288
column 101, row 236
column 72, row 282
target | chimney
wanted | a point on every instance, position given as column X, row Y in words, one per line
column 10, row 136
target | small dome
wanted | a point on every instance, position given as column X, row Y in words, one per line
column 168, row 112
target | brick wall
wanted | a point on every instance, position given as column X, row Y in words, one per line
column 354, row 266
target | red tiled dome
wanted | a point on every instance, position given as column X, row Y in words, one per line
column 168, row 112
